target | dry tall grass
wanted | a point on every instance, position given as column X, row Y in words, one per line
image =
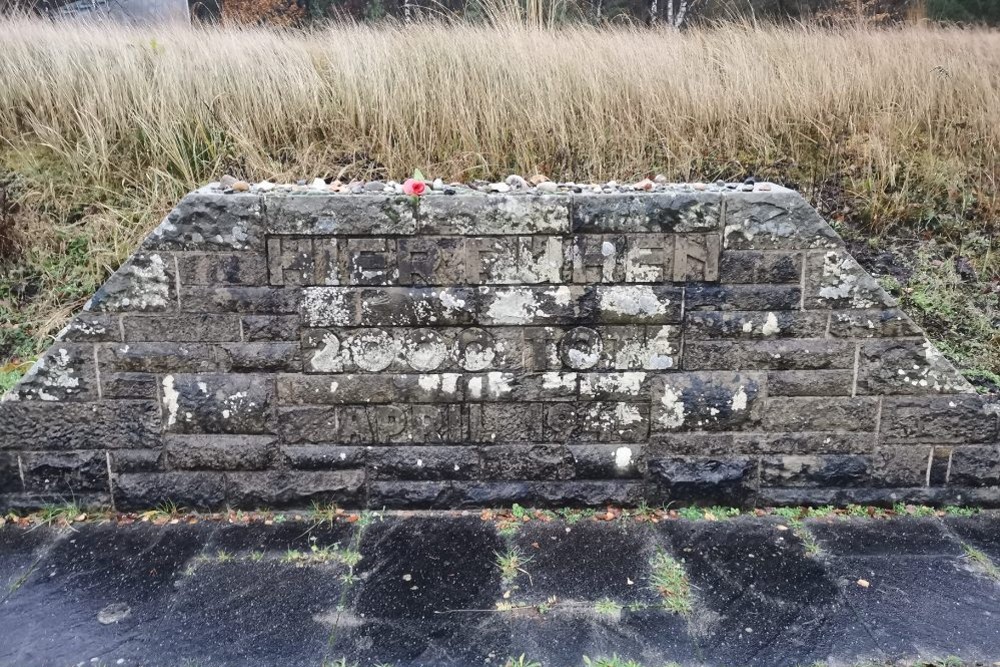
column 105, row 126
column 466, row 101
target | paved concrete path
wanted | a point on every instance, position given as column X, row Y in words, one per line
column 442, row 590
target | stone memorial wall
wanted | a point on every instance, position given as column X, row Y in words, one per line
column 280, row 346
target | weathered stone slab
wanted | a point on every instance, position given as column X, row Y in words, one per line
column 476, row 214
column 378, row 424
column 638, row 212
column 323, row 457
column 63, row 472
column 279, row 488
column 254, row 300
column 780, row 354
column 277, row 357
column 129, row 385
column 725, row 480
column 810, row 383
column 270, row 327
column 145, row 283
column 774, row 220
column 724, row 444
column 217, row 403
column 153, row 489
column 207, row 220
column 888, row 323
column 432, row 260
column 209, row 268
column 159, row 358
column 516, row 260
column 907, row 366
column 834, row 279
column 538, row 461
column 824, row 470
column 742, row 297
column 520, row 306
column 602, row 347
column 754, row 324
column 608, row 461
column 355, row 215
column 136, row 460
column 219, row 452
column 974, row 465
column 760, row 267
column 907, row 465
column 65, row 373
column 634, row 304
column 938, row 419
column 349, row 388
column 193, row 328
column 623, row 386
column 722, row 401
column 821, row 414
column 90, row 327
column 423, row 463
column 32, row 425
column 598, row 421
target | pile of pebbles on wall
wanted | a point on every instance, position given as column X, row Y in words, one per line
column 537, row 184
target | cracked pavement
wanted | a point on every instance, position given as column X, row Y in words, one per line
column 428, row 589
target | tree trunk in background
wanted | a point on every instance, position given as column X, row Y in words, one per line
column 681, row 13
column 675, row 19
column 653, row 11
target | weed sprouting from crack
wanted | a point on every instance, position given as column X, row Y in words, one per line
column 902, row 509
column 670, row 580
column 508, row 528
column 169, row 509
column 17, row 583
column 519, row 513
column 691, row 513
column 368, row 517
column 613, row 661
column 323, row 514
column 982, row 562
column 820, row 512
column 608, row 607
column 511, row 562
column 59, row 514
column 545, row 607
column 809, row 543
column 955, row 510
column 325, row 554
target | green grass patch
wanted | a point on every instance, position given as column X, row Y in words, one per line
column 982, row 562
column 955, row 510
column 608, row 607
column 669, row 579
column 521, row 661
column 511, row 563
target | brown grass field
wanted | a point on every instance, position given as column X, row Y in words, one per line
column 893, row 133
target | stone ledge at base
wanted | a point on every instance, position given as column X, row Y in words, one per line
column 690, row 345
